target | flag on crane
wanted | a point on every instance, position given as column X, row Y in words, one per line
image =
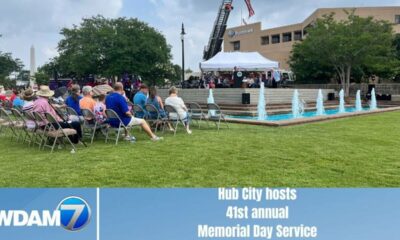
column 250, row 8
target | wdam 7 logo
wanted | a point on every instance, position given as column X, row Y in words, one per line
column 75, row 213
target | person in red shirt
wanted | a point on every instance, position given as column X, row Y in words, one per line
column 2, row 93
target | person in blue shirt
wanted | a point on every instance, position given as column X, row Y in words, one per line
column 156, row 101
column 140, row 99
column 117, row 102
column 18, row 102
column 73, row 100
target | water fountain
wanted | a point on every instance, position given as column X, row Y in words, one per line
column 373, row 105
column 262, row 114
column 342, row 109
column 210, row 99
column 358, row 101
column 320, row 104
column 297, row 105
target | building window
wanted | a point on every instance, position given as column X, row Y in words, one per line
column 287, row 37
column 298, row 35
column 265, row 40
column 397, row 19
column 236, row 46
column 276, row 39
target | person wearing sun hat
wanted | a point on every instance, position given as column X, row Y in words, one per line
column 102, row 88
column 28, row 97
column 41, row 105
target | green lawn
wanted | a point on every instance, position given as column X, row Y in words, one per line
column 352, row 152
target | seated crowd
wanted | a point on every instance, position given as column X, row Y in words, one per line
column 97, row 102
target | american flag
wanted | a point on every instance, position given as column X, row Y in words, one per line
column 251, row 10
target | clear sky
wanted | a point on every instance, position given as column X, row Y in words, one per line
column 38, row 22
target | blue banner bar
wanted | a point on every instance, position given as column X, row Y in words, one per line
column 225, row 213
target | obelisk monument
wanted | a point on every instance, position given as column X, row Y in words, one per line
column 32, row 81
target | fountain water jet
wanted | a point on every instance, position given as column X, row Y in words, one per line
column 320, row 104
column 297, row 105
column 341, row 102
column 373, row 104
column 262, row 114
column 358, row 101
column 210, row 99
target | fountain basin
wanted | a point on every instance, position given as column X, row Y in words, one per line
column 288, row 122
column 289, row 116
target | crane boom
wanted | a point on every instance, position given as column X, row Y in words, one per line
column 217, row 35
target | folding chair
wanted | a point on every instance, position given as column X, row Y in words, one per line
column 1, row 117
column 20, row 123
column 196, row 113
column 56, row 132
column 7, row 105
column 62, row 113
column 173, row 117
column 73, row 115
column 71, row 111
column 218, row 116
column 2, row 120
column 138, row 111
column 7, row 123
column 112, row 116
column 90, row 124
column 154, row 116
column 40, row 133
column 35, row 131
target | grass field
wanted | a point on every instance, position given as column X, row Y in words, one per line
column 352, row 152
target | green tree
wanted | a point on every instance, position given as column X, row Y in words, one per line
column 176, row 74
column 8, row 65
column 42, row 78
column 111, row 47
column 343, row 46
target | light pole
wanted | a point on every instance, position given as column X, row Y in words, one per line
column 183, row 52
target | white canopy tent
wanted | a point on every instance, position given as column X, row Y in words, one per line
column 244, row 61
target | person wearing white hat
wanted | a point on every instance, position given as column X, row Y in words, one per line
column 42, row 105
